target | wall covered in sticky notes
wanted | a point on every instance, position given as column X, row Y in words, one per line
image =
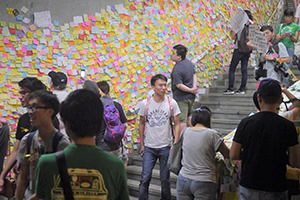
column 124, row 44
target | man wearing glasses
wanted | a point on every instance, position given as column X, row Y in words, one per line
column 27, row 85
column 43, row 106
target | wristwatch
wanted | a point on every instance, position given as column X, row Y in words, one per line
column 274, row 59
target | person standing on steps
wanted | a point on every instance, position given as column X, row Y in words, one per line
column 288, row 34
column 241, row 54
column 155, row 115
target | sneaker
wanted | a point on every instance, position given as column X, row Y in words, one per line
column 295, row 60
column 228, row 91
column 239, row 91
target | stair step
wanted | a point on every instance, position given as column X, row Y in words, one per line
column 246, row 98
column 225, row 123
column 154, row 190
column 229, row 114
column 134, row 172
column 133, row 198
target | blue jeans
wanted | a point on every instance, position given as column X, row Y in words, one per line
column 236, row 58
column 250, row 194
column 149, row 160
column 291, row 52
column 188, row 189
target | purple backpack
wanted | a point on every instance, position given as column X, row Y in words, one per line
column 114, row 132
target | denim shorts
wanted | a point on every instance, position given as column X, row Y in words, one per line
column 251, row 194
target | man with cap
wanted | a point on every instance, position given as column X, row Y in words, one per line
column 58, row 86
column 263, row 142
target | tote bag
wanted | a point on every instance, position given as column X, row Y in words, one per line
column 175, row 157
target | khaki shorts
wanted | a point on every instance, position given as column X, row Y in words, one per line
column 185, row 107
column 120, row 153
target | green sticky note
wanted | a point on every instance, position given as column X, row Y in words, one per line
column 2, row 23
column 12, row 25
column 19, row 26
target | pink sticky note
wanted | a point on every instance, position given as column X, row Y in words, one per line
column 50, row 25
column 35, row 41
column 42, row 52
column 42, row 65
column 13, row 126
column 70, row 72
column 5, row 40
column 55, row 46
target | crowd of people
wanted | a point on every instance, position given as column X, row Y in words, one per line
column 71, row 130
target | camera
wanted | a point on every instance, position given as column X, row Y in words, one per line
column 278, row 67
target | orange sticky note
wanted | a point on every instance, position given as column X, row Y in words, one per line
column 32, row 27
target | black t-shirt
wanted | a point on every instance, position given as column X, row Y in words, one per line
column 183, row 73
column 100, row 142
column 265, row 138
column 24, row 126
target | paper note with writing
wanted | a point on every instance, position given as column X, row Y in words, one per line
column 42, row 19
column 238, row 20
column 77, row 19
column 24, row 9
column 260, row 42
column 252, row 29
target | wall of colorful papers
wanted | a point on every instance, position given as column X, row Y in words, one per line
column 124, row 44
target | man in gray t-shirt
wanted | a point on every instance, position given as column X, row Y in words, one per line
column 184, row 84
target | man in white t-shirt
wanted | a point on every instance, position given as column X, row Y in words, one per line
column 155, row 114
column 58, row 86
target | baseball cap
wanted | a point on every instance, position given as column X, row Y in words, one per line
column 268, row 89
column 58, row 78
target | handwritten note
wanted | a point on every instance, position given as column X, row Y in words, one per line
column 238, row 20
column 42, row 19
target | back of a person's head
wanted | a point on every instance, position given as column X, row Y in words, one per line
column 249, row 14
column 92, row 86
column 266, row 27
column 157, row 77
column 32, row 84
column 181, row 50
column 104, row 87
column 201, row 115
column 270, row 91
column 83, row 111
column 48, row 99
column 288, row 12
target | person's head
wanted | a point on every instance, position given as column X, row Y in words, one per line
column 104, row 87
column 28, row 85
column 269, row 91
column 82, row 113
column 58, row 80
column 249, row 14
column 178, row 53
column 268, row 32
column 43, row 106
column 92, row 86
column 159, row 84
column 288, row 16
column 201, row 115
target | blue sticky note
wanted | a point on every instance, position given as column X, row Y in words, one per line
column 70, row 56
column 54, row 56
column 44, row 58
column 4, row 113
column 110, row 65
column 19, row 17
column 37, row 66
column 24, row 74
column 56, row 23
column 84, row 58
column 95, row 30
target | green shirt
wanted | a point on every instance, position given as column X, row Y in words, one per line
column 94, row 174
column 288, row 28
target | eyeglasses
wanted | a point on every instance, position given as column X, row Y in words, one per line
column 35, row 108
column 23, row 93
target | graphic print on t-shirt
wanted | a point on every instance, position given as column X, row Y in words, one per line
column 85, row 183
column 158, row 118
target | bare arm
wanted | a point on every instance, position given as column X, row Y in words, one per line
column 141, row 131
column 195, row 81
column 23, row 180
column 296, row 19
column 233, row 35
column 235, row 151
column 293, row 155
column 224, row 150
column 279, row 37
column 296, row 37
column 296, row 103
column 10, row 163
column 177, row 128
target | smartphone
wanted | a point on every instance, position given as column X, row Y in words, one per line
column 82, row 74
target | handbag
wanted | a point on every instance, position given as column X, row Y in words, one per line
column 9, row 188
column 175, row 156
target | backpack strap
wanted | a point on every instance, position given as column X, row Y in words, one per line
column 171, row 115
column 57, row 137
column 29, row 141
column 147, row 107
column 64, row 175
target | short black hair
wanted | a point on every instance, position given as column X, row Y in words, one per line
column 83, row 111
column 249, row 14
column 48, row 99
column 32, row 84
column 104, row 86
column 202, row 115
column 157, row 77
column 288, row 12
column 181, row 51
column 266, row 27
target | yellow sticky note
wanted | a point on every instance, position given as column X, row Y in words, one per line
column 4, row 59
column 10, row 11
column 29, row 34
column 11, row 25
column 19, row 26
column 2, row 23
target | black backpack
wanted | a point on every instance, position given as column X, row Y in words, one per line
column 57, row 137
column 242, row 41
